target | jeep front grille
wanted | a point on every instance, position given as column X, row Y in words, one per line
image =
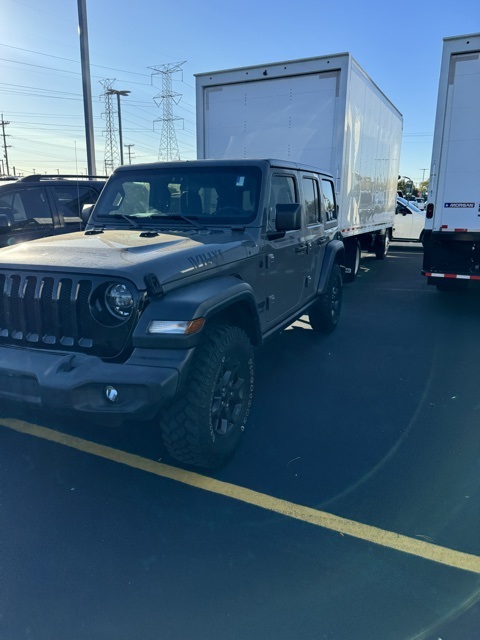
column 53, row 311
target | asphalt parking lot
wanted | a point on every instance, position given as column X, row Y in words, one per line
column 350, row 512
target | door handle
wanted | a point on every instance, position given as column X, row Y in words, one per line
column 301, row 249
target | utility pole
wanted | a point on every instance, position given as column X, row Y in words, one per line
column 3, row 124
column 168, row 149
column 87, row 87
column 423, row 178
column 129, row 146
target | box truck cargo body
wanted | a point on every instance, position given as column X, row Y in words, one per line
column 452, row 227
column 325, row 112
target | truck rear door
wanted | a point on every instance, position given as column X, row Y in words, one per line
column 291, row 118
column 458, row 191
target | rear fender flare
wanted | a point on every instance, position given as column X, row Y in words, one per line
column 334, row 254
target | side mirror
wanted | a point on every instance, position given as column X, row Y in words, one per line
column 289, row 217
column 86, row 212
column 5, row 222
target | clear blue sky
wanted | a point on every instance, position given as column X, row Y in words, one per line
column 398, row 45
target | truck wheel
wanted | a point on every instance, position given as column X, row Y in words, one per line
column 381, row 246
column 352, row 259
column 204, row 425
column 325, row 312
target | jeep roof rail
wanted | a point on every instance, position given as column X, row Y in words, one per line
column 42, row 176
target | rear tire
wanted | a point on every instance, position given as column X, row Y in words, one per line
column 352, row 258
column 382, row 245
column 203, row 426
column 325, row 312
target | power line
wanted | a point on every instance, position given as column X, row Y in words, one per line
column 48, row 55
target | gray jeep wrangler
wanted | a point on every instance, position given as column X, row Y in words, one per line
column 184, row 268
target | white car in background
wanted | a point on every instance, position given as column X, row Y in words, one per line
column 421, row 204
column 409, row 221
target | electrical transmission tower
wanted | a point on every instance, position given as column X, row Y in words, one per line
column 168, row 149
column 112, row 158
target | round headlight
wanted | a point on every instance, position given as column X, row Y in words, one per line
column 119, row 300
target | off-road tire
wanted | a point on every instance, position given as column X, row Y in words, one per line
column 325, row 312
column 204, row 424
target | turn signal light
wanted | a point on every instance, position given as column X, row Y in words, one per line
column 430, row 208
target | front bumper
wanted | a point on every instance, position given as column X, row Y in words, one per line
column 146, row 381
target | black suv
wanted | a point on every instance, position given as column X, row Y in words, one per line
column 44, row 205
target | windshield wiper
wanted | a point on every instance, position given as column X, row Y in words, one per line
column 178, row 216
column 126, row 217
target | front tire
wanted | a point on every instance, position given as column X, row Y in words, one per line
column 204, row 424
column 325, row 312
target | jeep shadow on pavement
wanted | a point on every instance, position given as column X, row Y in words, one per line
column 156, row 309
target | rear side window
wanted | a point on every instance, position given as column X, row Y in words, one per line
column 311, row 200
column 329, row 200
column 24, row 205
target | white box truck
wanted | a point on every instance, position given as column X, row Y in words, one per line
column 451, row 238
column 325, row 112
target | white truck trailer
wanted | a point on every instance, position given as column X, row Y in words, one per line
column 452, row 228
column 325, row 112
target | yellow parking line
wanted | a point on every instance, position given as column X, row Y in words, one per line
column 420, row 548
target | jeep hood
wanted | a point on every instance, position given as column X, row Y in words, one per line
column 125, row 253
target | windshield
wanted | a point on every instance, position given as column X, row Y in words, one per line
column 216, row 195
column 410, row 204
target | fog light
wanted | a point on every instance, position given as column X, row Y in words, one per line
column 111, row 394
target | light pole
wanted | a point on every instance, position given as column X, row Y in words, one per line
column 116, row 92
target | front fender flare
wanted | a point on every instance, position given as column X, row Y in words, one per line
column 198, row 300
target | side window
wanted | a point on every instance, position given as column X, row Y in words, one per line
column 311, row 200
column 6, row 205
column 283, row 191
column 329, row 200
column 70, row 199
column 23, row 205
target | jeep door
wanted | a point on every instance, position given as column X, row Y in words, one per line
column 316, row 238
column 287, row 259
